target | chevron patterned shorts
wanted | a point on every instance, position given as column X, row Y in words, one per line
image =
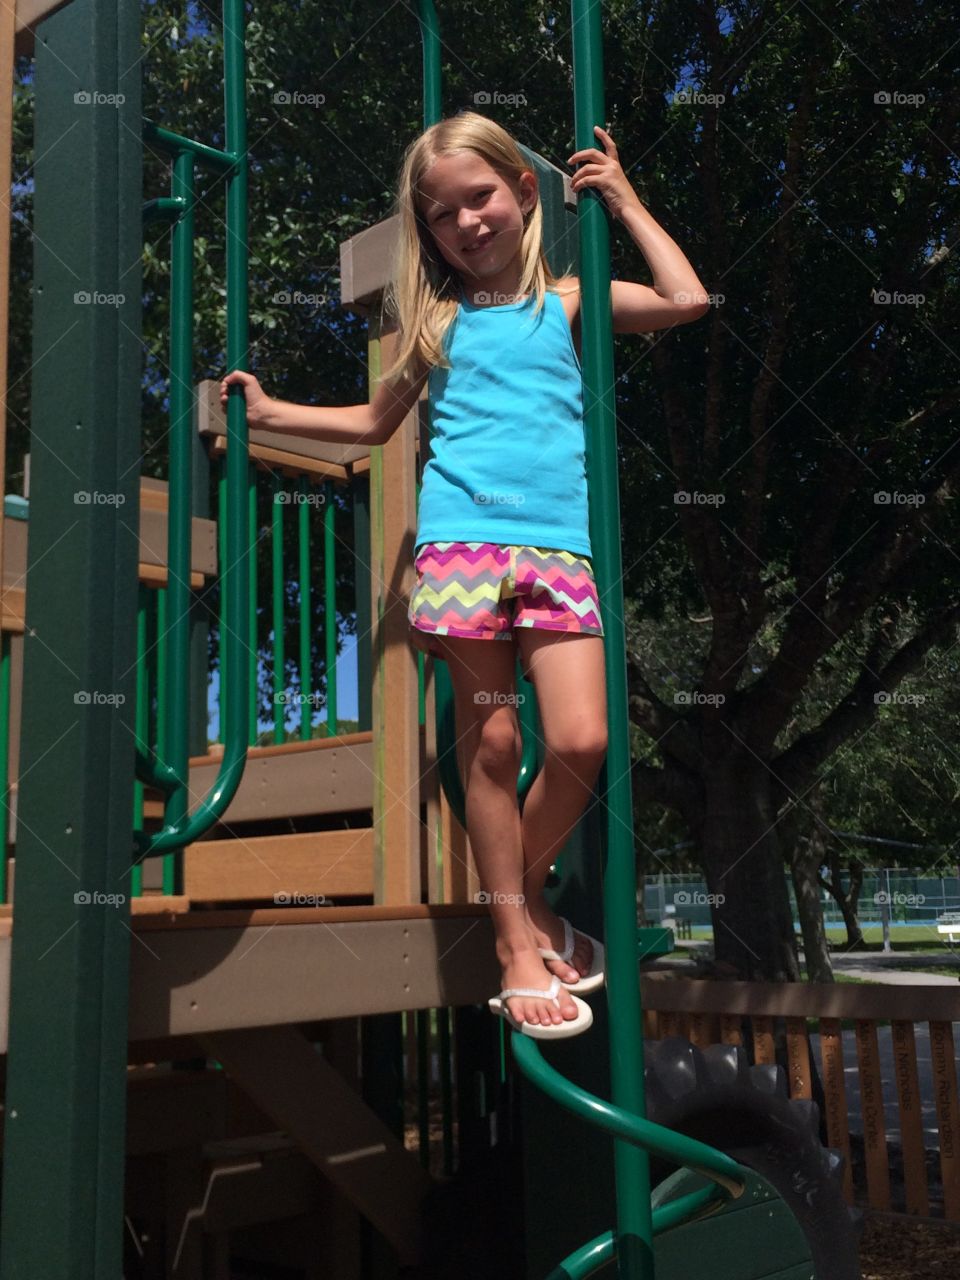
column 481, row 591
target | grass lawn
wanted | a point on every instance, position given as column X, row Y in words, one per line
column 902, row 938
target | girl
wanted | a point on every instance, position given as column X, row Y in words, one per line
column 503, row 549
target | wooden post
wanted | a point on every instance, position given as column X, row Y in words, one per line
column 798, row 1057
column 396, row 796
column 948, row 1114
column 764, row 1047
column 871, row 1107
column 911, row 1123
column 835, row 1096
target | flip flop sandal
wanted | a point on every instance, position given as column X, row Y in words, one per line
column 590, row 981
column 540, row 1030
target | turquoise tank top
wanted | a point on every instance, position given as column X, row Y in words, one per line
column 508, row 460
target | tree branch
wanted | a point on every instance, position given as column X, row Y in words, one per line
column 797, row 765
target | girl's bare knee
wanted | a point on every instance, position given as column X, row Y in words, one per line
column 498, row 746
column 582, row 749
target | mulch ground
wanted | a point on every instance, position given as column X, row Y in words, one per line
column 893, row 1250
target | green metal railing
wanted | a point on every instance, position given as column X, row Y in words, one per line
column 167, row 768
column 635, row 1138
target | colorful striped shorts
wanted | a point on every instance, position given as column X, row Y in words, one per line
column 481, row 591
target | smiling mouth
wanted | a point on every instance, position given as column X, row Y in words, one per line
column 480, row 244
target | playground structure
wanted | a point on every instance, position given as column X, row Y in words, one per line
column 203, row 1076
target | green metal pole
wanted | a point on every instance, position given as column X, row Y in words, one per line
column 234, row 670
column 253, row 639
column 330, row 602
column 631, row 1164
column 65, row 1102
column 222, row 554
column 141, row 724
column 430, row 34
column 306, row 666
column 279, row 599
column 175, row 628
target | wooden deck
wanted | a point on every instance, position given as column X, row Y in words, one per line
column 204, row 971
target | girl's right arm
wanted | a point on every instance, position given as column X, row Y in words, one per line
column 370, row 424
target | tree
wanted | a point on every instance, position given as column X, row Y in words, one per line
column 813, row 424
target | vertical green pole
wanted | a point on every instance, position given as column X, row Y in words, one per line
column 163, row 723
column 330, row 603
column 222, row 641
column 238, row 345
column 279, row 599
column 175, row 631
column 360, row 488
column 631, row 1164
column 64, row 1130
column 253, row 646
column 306, row 666
column 141, row 724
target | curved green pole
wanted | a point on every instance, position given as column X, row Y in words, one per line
column 180, row 829
column 631, row 1163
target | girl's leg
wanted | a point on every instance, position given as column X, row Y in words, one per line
column 482, row 674
column 567, row 672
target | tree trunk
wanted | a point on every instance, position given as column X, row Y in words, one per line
column 805, row 861
column 743, row 863
column 847, row 899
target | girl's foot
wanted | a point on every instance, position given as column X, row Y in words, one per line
column 547, row 929
column 523, row 967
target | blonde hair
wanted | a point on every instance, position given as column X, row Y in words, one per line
column 424, row 292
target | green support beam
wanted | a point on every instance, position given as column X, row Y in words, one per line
column 64, row 1142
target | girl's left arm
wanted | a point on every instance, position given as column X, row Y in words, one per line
column 677, row 296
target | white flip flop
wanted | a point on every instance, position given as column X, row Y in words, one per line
column 540, row 1030
column 589, row 981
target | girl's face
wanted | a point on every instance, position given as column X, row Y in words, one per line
column 474, row 215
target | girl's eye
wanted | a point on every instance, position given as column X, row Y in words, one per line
column 480, row 195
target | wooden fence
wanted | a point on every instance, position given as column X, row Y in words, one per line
column 746, row 1013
